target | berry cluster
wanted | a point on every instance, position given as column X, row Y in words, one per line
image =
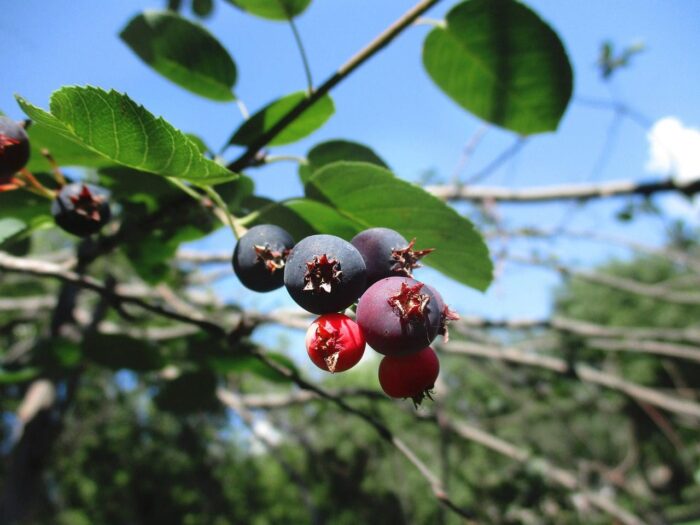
column 78, row 208
column 396, row 315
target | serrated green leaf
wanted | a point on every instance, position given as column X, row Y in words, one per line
column 309, row 121
column 117, row 128
column 272, row 9
column 304, row 217
column 500, row 61
column 183, row 52
column 334, row 151
column 371, row 196
column 66, row 152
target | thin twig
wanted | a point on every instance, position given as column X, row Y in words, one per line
column 560, row 192
column 343, row 72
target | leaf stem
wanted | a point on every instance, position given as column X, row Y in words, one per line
column 35, row 186
column 304, row 57
column 269, row 159
column 237, row 229
column 381, row 41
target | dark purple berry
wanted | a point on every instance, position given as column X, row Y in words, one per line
column 260, row 256
column 81, row 209
column 446, row 313
column 398, row 315
column 387, row 253
column 324, row 274
column 14, row 147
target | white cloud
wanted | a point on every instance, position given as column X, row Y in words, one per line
column 674, row 150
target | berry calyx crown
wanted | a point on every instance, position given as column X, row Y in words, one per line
column 272, row 259
column 406, row 259
column 87, row 204
column 409, row 304
column 327, row 345
column 321, row 274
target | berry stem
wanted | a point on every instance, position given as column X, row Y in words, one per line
column 237, row 229
column 55, row 169
column 35, row 186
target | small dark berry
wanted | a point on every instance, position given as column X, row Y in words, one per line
column 260, row 256
column 386, row 253
column 398, row 315
column 81, row 209
column 14, row 147
column 411, row 375
column 324, row 274
column 334, row 342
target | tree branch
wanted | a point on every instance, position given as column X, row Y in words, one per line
column 583, row 372
column 343, row 72
column 560, row 192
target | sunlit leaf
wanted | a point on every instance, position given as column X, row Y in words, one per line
column 114, row 126
column 309, row 121
column 272, row 9
column 372, row 196
column 183, row 52
column 500, row 61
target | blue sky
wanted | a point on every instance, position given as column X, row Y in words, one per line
column 391, row 105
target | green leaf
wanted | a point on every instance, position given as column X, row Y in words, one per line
column 17, row 376
column 272, row 9
column 334, row 151
column 117, row 128
column 499, row 60
column 10, row 227
column 304, row 217
column 202, row 8
column 309, row 121
column 66, row 151
column 116, row 351
column 371, row 196
column 183, row 52
column 191, row 391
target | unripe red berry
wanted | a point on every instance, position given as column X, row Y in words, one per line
column 334, row 342
column 411, row 375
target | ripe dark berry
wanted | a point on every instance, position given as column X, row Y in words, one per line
column 398, row 315
column 334, row 342
column 14, row 147
column 324, row 274
column 387, row 253
column 446, row 314
column 81, row 209
column 411, row 375
column 260, row 256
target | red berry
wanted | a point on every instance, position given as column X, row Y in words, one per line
column 334, row 342
column 411, row 375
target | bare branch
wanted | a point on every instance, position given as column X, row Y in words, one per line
column 45, row 269
column 583, row 372
column 660, row 292
column 560, row 192
column 386, row 434
column 690, row 353
column 582, row 328
column 554, row 474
